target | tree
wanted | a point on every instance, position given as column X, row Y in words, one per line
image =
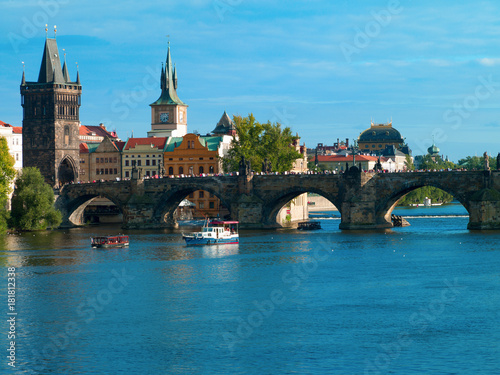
column 33, row 203
column 476, row 163
column 7, row 174
column 409, row 163
column 256, row 142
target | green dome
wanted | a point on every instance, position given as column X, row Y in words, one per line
column 433, row 150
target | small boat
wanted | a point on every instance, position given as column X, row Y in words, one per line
column 213, row 233
column 109, row 241
column 309, row 225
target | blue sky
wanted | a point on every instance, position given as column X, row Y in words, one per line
column 324, row 68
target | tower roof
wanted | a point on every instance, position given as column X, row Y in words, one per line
column 50, row 69
column 225, row 125
column 168, row 84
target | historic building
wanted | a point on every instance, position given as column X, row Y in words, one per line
column 95, row 134
column 168, row 113
column 14, row 138
column 51, row 119
column 101, row 161
column 195, row 155
column 145, row 154
column 378, row 137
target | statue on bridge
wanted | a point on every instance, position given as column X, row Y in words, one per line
column 266, row 166
column 378, row 165
column 486, row 162
column 245, row 167
column 498, row 161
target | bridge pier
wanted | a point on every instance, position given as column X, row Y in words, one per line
column 484, row 210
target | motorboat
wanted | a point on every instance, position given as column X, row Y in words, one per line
column 213, row 233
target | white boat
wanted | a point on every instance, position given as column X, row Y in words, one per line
column 213, row 233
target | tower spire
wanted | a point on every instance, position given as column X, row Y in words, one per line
column 77, row 75
column 23, row 80
column 65, row 69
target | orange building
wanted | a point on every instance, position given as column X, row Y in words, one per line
column 194, row 155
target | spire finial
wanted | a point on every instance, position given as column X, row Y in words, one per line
column 46, row 31
column 55, row 31
column 168, row 36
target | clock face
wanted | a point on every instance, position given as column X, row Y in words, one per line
column 164, row 117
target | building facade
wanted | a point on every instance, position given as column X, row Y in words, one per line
column 145, row 154
column 378, row 137
column 14, row 137
column 51, row 119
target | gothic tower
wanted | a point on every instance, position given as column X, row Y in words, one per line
column 168, row 113
column 51, row 119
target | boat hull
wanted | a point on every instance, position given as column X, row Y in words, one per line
column 192, row 241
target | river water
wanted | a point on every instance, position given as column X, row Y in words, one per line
column 422, row 299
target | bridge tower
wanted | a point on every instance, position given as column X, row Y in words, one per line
column 168, row 113
column 51, row 119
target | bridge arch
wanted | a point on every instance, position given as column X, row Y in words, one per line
column 275, row 204
column 387, row 204
column 73, row 207
column 170, row 200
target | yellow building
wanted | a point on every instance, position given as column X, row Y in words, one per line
column 146, row 154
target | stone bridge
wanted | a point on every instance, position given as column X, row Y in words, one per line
column 364, row 200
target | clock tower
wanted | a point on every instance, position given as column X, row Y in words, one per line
column 168, row 113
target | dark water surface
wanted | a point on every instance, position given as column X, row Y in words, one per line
column 424, row 299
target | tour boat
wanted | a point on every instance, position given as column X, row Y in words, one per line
column 213, row 233
column 109, row 241
column 309, row 225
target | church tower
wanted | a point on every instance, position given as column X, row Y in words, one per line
column 168, row 113
column 51, row 119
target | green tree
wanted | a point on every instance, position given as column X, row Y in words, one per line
column 256, row 142
column 476, row 162
column 7, row 174
column 409, row 163
column 33, row 203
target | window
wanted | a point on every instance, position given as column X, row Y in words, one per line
column 147, row 162
column 139, row 162
column 126, row 163
column 212, row 195
column 170, row 158
column 153, row 162
column 201, row 158
column 127, row 174
column 66, row 135
column 211, row 205
column 202, row 205
column 106, row 160
column 201, row 170
column 106, row 171
column 102, row 160
column 189, row 144
column 97, row 171
column 102, row 171
column 201, row 194
column 170, row 170
column 192, row 144
column 181, row 158
column 211, row 158
column 181, row 170
column 147, row 173
column 115, row 159
column 115, row 171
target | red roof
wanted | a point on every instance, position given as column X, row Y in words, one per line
column 158, row 142
column 96, row 131
column 344, row 159
column 17, row 130
column 4, row 124
column 119, row 145
column 84, row 149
